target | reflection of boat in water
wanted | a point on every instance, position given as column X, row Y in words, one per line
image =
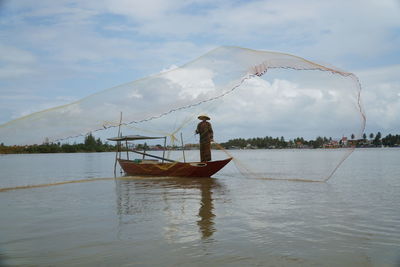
column 172, row 204
column 165, row 167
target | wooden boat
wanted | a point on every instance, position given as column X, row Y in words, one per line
column 161, row 166
column 175, row 169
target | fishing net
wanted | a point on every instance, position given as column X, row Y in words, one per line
column 247, row 93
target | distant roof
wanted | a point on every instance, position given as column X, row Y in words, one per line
column 133, row 137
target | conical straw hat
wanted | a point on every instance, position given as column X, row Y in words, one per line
column 203, row 117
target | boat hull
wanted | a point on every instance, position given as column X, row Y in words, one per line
column 174, row 169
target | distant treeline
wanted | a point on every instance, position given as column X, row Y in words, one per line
column 271, row 142
column 391, row 140
column 320, row 142
column 96, row 145
column 90, row 145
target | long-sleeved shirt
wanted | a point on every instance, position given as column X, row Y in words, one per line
column 205, row 130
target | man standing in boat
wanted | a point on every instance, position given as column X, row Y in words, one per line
column 206, row 137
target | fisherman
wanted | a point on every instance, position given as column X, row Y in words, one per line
column 206, row 137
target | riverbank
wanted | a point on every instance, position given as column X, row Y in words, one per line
column 96, row 145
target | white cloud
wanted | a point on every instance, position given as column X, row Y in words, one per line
column 287, row 108
column 15, row 62
column 150, row 9
column 192, row 81
column 323, row 30
column 14, row 71
column 38, row 103
column 16, row 55
column 381, row 97
column 135, row 94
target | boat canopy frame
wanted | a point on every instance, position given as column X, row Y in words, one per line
column 127, row 138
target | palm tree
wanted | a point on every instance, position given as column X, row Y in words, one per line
column 377, row 140
column 371, row 136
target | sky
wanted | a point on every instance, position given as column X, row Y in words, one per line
column 56, row 52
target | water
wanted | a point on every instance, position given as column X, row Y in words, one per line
column 228, row 220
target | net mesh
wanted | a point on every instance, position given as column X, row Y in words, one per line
column 247, row 93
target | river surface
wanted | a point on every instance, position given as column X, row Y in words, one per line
column 80, row 215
